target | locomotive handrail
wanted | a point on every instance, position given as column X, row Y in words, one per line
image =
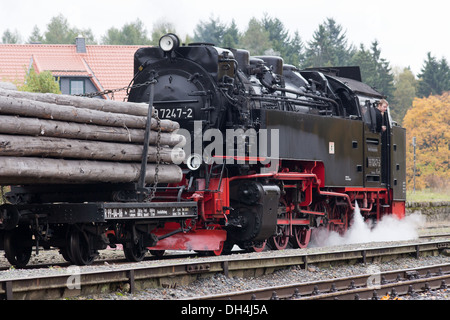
column 278, row 175
column 274, row 87
column 301, row 176
column 346, row 196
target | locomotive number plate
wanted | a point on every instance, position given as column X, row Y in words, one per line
column 175, row 113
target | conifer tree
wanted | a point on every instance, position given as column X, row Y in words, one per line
column 434, row 77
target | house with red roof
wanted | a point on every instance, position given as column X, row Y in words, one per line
column 79, row 68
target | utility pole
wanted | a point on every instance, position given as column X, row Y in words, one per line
column 414, row 176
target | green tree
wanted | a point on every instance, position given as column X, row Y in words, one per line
column 85, row 33
column 375, row 71
column 11, row 37
column 278, row 35
column 43, row 82
column 231, row 36
column 434, row 77
column 60, row 32
column 133, row 33
column 211, row 31
column 363, row 59
column 384, row 79
column 161, row 28
column 256, row 38
column 291, row 49
column 328, row 46
column 112, row 36
column 319, row 52
column 36, row 36
column 405, row 84
column 294, row 51
column 342, row 50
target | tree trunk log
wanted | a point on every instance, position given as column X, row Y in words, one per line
column 71, row 130
column 98, row 132
column 17, row 170
column 43, row 110
column 25, row 146
column 131, row 108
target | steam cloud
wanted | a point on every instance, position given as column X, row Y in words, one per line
column 389, row 228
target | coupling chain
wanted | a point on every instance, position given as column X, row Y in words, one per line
column 158, row 158
column 112, row 91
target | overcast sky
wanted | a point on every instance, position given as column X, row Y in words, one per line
column 405, row 30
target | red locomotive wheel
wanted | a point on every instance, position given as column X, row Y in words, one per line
column 281, row 241
column 218, row 252
column 301, row 237
column 258, row 247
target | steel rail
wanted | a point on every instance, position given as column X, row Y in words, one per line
column 71, row 283
column 366, row 286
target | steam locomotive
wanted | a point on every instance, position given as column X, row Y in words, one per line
column 272, row 154
column 320, row 152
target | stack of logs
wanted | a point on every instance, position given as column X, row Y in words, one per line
column 50, row 138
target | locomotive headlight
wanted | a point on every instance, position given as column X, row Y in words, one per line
column 194, row 161
column 169, row 42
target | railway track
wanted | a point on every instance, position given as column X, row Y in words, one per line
column 74, row 281
column 361, row 287
column 119, row 259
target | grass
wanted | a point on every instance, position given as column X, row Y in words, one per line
column 428, row 195
column 3, row 190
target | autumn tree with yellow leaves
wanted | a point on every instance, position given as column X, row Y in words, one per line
column 429, row 121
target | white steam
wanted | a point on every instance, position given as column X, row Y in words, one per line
column 389, row 228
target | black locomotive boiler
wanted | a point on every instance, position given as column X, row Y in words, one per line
column 272, row 153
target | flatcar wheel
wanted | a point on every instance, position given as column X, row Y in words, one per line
column 135, row 252
column 157, row 253
column 80, row 249
column 17, row 245
column 301, row 237
column 65, row 252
